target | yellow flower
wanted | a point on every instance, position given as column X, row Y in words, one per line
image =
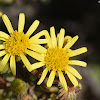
column 56, row 59
column 18, row 43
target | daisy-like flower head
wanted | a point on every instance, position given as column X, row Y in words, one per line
column 56, row 59
column 17, row 43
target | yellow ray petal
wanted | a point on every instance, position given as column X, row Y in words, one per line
column 2, row 46
column 3, row 39
column 13, row 65
column 53, row 37
column 32, row 28
column 67, row 39
column 77, row 52
column 2, row 53
column 71, row 43
column 69, row 50
column 21, row 22
column 35, row 39
column 39, row 41
column 4, row 61
column 37, row 48
column 38, row 35
column 77, row 62
column 51, row 78
column 74, row 72
column 43, row 76
column 58, row 36
column 72, row 78
column 35, row 55
column 37, row 65
column 4, row 35
column 8, row 24
column 26, row 62
column 63, row 81
column 50, row 45
column 61, row 37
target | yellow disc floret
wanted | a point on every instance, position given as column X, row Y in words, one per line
column 56, row 59
column 17, row 43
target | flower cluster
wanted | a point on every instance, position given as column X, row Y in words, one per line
column 55, row 58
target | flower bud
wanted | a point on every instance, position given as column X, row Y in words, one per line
column 19, row 87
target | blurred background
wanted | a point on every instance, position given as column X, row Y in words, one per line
column 78, row 17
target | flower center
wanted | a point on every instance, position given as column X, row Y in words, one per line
column 17, row 43
column 56, row 59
